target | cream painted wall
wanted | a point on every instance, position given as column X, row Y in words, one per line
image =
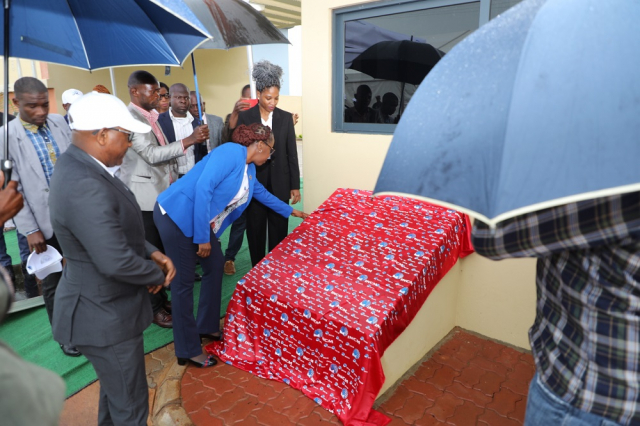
column 221, row 76
column 331, row 160
column 496, row 299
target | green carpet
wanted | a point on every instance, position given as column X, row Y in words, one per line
column 29, row 333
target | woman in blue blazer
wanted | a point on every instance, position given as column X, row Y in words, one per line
column 192, row 214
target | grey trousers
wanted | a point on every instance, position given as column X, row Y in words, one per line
column 124, row 393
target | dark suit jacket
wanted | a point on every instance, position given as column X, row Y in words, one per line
column 164, row 120
column 102, row 298
column 282, row 170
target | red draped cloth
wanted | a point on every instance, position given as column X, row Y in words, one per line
column 319, row 311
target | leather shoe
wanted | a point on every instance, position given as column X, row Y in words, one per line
column 198, row 277
column 167, row 306
column 229, row 267
column 211, row 336
column 163, row 319
column 69, row 350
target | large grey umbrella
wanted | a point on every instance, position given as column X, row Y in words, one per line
column 538, row 108
column 232, row 23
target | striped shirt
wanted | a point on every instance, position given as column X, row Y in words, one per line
column 46, row 147
column 586, row 335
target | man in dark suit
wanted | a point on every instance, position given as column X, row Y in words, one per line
column 102, row 302
column 215, row 123
column 177, row 123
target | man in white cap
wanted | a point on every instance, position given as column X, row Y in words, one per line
column 68, row 97
column 102, row 302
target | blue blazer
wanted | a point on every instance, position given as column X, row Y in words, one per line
column 164, row 120
column 203, row 193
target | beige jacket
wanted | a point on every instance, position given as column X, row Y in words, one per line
column 147, row 166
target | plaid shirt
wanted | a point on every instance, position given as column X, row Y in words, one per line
column 45, row 145
column 586, row 335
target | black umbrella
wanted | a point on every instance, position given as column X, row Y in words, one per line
column 232, row 23
column 405, row 61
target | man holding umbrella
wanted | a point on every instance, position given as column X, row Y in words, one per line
column 150, row 166
column 36, row 140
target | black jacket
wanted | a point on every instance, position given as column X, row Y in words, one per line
column 164, row 120
column 281, row 173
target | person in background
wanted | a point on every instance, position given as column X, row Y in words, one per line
column 387, row 109
column 584, row 339
column 178, row 124
column 150, row 167
column 68, row 97
column 36, row 140
column 30, row 284
column 192, row 214
column 360, row 112
column 103, row 297
column 165, row 99
column 236, row 235
column 280, row 175
column 214, row 122
column 99, row 88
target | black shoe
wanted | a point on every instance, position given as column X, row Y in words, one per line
column 167, row 306
column 69, row 350
column 163, row 319
column 198, row 277
column 211, row 336
column 209, row 362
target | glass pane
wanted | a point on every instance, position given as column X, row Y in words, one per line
column 387, row 57
column 499, row 6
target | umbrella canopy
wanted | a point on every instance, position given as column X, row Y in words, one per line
column 361, row 35
column 101, row 34
column 405, row 61
column 234, row 23
column 538, row 108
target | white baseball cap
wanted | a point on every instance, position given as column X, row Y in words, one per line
column 95, row 111
column 45, row 263
column 70, row 96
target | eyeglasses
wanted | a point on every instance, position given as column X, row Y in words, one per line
column 271, row 149
column 126, row 132
column 165, row 96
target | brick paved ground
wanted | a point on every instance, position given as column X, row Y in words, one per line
column 82, row 408
column 468, row 380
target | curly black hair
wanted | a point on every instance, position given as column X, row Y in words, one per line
column 266, row 75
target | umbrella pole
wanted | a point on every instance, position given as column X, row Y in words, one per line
column 6, row 163
column 252, row 82
column 195, row 80
column 401, row 100
column 113, row 81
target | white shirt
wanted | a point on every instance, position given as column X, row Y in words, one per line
column 183, row 129
column 268, row 121
column 113, row 171
column 244, row 188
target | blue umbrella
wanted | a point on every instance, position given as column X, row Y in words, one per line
column 93, row 34
column 539, row 107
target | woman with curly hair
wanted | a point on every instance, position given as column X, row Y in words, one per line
column 281, row 174
column 192, row 214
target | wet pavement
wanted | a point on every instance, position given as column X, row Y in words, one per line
column 467, row 380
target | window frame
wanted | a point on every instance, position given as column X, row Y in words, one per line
column 370, row 10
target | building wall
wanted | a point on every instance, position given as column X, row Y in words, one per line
column 221, row 76
column 496, row 299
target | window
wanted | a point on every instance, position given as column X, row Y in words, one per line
column 383, row 50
